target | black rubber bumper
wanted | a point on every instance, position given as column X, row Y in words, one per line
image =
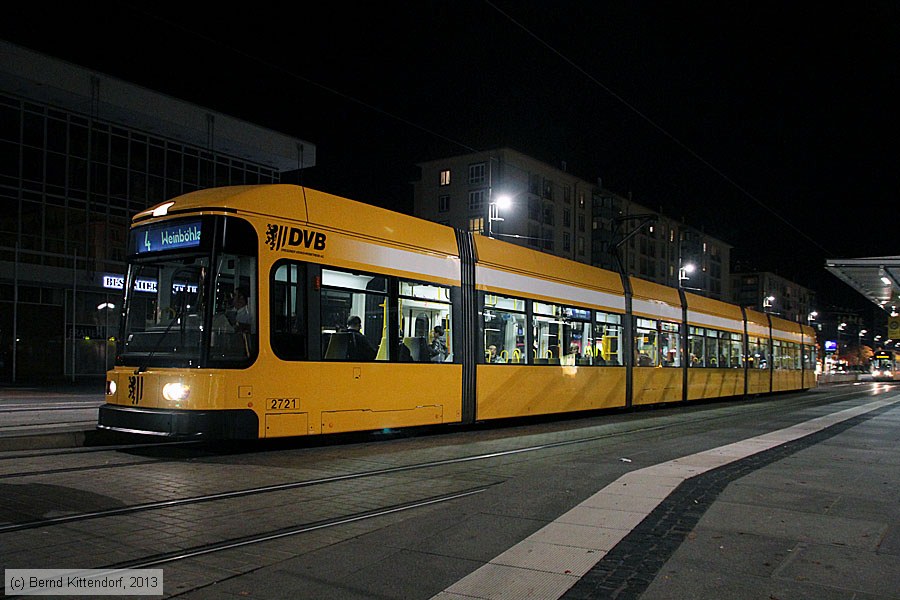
column 211, row 424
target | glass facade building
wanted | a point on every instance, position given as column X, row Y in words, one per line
column 70, row 181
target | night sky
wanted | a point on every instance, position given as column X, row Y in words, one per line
column 770, row 125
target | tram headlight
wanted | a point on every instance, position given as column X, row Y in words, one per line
column 176, row 391
column 110, row 388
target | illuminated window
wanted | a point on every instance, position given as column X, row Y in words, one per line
column 344, row 297
column 504, row 330
column 423, row 306
column 646, row 342
column 445, row 177
column 476, row 224
column 608, row 340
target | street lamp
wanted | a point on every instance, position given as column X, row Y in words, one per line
column 859, row 352
column 768, row 302
column 503, row 202
column 840, row 329
column 684, row 273
column 107, row 308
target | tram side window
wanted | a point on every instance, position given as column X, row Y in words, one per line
column 608, row 342
column 731, row 350
column 289, row 311
column 696, row 347
column 778, row 355
column 712, row 348
column 504, row 330
column 577, row 338
column 547, row 326
column 809, row 357
column 785, row 355
column 670, row 344
column 795, row 356
column 422, row 307
column 346, row 295
column 646, row 342
column 757, row 353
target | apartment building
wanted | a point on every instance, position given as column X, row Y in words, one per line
column 772, row 293
column 511, row 196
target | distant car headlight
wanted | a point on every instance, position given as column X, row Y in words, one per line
column 110, row 388
column 176, row 392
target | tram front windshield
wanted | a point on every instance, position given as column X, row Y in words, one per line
column 166, row 312
column 190, row 309
column 882, row 363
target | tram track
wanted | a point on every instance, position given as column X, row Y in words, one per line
column 162, row 558
column 167, row 557
column 285, row 486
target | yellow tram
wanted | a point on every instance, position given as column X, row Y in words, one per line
column 238, row 323
column 886, row 365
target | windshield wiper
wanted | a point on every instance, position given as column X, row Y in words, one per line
column 179, row 316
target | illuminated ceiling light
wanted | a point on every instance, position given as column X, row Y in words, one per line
column 162, row 210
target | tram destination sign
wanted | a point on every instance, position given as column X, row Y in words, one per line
column 167, row 236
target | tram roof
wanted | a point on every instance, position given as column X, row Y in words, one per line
column 877, row 277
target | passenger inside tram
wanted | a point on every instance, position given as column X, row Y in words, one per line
column 493, row 356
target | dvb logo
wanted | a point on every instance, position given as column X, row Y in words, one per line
column 280, row 236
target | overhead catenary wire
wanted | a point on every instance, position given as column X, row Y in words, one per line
column 469, row 148
column 656, row 126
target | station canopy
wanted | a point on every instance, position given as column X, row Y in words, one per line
column 877, row 278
